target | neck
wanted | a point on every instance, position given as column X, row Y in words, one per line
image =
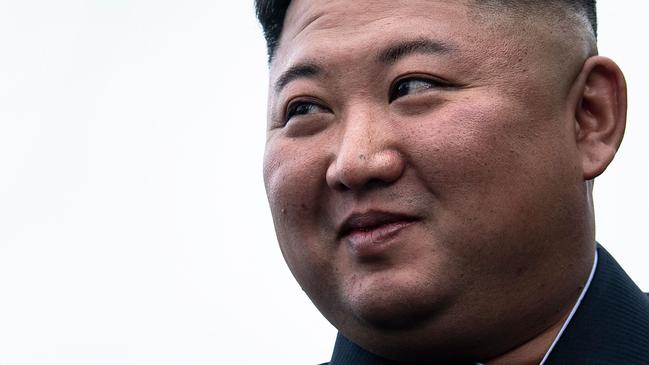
column 534, row 351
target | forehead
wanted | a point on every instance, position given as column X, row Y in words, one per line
column 313, row 25
column 343, row 38
column 341, row 14
column 339, row 33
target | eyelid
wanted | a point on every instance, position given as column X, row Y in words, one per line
column 417, row 77
column 301, row 100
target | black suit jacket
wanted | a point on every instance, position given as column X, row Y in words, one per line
column 611, row 326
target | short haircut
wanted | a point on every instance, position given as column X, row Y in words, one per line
column 271, row 14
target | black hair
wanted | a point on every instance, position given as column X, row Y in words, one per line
column 271, row 14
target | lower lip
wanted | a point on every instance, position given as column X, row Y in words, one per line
column 375, row 241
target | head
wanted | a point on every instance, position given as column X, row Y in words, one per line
column 428, row 165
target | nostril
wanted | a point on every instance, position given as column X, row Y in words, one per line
column 377, row 183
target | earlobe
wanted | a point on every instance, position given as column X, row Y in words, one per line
column 600, row 114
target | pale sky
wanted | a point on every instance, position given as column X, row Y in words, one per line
column 134, row 227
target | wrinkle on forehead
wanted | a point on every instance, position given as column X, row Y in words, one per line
column 313, row 19
column 326, row 15
column 332, row 19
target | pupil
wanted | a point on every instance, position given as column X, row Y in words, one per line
column 302, row 109
column 404, row 88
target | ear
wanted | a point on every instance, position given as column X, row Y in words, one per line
column 600, row 114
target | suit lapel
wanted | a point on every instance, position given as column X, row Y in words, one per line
column 611, row 326
column 347, row 352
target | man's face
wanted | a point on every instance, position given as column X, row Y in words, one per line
column 421, row 166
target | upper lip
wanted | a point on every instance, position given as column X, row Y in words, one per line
column 371, row 219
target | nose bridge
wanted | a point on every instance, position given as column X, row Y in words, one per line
column 359, row 139
column 366, row 152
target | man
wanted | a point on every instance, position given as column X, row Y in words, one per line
column 429, row 167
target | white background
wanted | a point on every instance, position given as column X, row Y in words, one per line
column 134, row 227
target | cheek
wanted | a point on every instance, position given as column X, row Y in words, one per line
column 459, row 145
column 495, row 168
column 490, row 154
column 293, row 176
column 483, row 138
column 294, row 181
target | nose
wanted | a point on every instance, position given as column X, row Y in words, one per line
column 367, row 157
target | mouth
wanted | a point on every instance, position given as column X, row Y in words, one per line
column 367, row 232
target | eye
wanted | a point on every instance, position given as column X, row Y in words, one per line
column 413, row 85
column 303, row 108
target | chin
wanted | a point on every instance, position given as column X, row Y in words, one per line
column 402, row 330
column 394, row 307
column 397, row 319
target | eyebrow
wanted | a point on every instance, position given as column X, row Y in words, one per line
column 301, row 70
column 389, row 55
column 396, row 51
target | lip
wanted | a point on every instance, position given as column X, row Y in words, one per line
column 368, row 233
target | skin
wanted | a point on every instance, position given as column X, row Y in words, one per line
column 488, row 151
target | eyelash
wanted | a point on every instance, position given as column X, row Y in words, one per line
column 292, row 109
column 432, row 83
